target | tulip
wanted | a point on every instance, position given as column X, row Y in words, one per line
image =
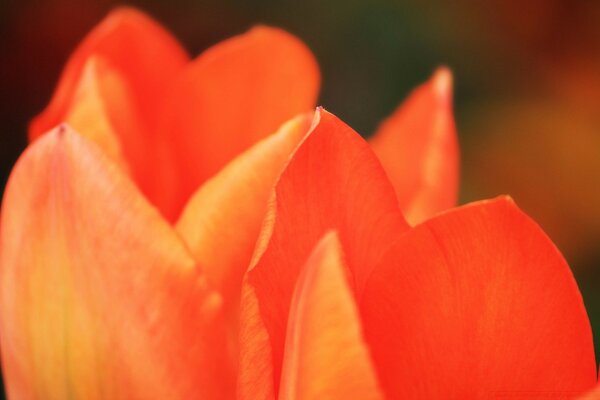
column 476, row 302
column 163, row 244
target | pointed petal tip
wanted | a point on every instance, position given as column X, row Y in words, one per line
column 500, row 200
column 261, row 29
column 503, row 200
column 330, row 238
column 443, row 83
column 62, row 129
column 123, row 13
column 56, row 136
column 328, row 244
column 507, row 198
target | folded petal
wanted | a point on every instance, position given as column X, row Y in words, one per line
column 256, row 379
column 99, row 298
column 233, row 95
column 325, row 355
column 477, row 303
column 418, row 148
column 223, row 218
column 333, row 181
column 139, row 48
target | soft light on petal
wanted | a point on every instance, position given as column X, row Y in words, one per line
column 477, row 303
column 418, row 148
column 234, row 94
column 102, row 108
column 99, row 298
column 223, row 218
column 325, row 355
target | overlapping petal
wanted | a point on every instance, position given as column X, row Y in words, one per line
column 184, row 120
column 477, row 303
column 142, row 51
column 102, row 105
column 234, row 94
column 333, row 181
column 222, row 220
column 123, row 69
column 325, row 354
column 418, row 148
column 99, row 298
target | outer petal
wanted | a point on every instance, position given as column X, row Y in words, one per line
column 222, row 220
column 325, row 355
column 99, row 299
column 234, row 94
column 418, row 148
column 477, row 303
column 139, row 48
column 332, row 182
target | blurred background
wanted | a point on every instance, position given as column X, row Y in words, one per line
column 527, row 86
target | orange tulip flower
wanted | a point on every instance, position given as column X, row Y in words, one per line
column 165, row 245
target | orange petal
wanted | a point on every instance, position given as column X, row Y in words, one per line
column 103, row 111
column 234, row 94
column 332, row 182
column 256, row 379
column 477, row 303
column 138, row 47
column 325, row 355
column 94, row 117
column 418, row 148
column 222, row 220
column 593, row 394
column 99, row 298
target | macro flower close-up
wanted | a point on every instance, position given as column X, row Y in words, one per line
column 207, row 227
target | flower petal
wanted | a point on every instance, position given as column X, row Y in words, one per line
column 335, row 182
column 99, row 297
column 233, row 95
column 418, row 148
column 146, row 55
column 256, row 379
column 475, row 303
column 325, row 355
column 98, row 119
column 593, row 394
column 222, row 220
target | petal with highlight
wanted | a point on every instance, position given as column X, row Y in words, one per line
column 146, row 55
column 222, row 220
column 333, row 181
column 477, row 303
column 99, row 298
column 418, row 148
column 102, row 107
column 325, row 355
column 231, row 96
